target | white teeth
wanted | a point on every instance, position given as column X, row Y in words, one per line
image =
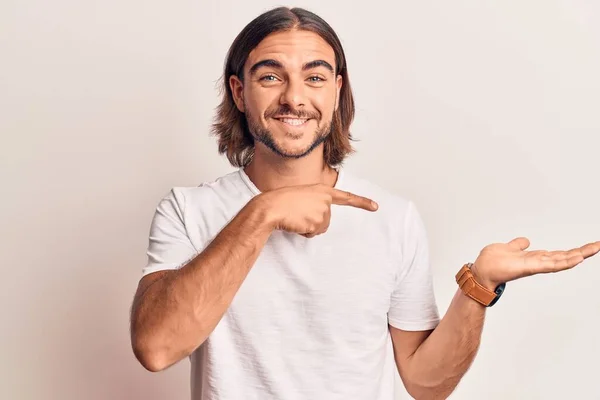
column 293, row 121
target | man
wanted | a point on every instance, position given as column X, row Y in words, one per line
column 290, row 278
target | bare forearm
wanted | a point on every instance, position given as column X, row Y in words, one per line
column 441, row 360
column 445, row 356
column 178, row 312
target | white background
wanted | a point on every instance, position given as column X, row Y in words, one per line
column 484, row 113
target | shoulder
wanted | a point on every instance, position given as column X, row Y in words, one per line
column 390, row 203
column 397, row 214
column 206, row 192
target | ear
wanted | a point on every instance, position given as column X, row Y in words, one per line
column 237, row 89
column 339, row 82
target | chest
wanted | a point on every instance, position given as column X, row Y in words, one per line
column 342, row 279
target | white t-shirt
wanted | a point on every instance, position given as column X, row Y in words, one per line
column 310, row 321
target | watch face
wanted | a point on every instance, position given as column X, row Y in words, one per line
column 499, row 290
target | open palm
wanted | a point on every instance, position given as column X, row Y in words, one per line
column 504, row 262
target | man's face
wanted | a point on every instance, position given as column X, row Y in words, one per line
column 290, row 92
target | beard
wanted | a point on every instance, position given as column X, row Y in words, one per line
column 264, row 135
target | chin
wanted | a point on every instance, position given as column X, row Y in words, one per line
column 292, row 149
column 297, row 148
column 289, row 143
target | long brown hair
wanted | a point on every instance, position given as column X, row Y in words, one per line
column 230, row 124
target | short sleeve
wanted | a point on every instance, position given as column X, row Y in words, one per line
column 169, row 246
column 413, row 305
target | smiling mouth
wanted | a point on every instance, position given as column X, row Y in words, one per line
column 293, row 121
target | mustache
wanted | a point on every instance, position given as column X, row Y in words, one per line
column 287, row 110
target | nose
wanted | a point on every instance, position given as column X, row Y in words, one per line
column 293, row 94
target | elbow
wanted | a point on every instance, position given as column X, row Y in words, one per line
column 422, row 392
column 152, row 363
column 151, row 357
column 155, row 354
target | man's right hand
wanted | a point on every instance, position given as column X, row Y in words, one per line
column 306, row 209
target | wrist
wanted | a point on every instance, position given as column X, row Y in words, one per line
column 482, row 279
column 262, row 213
column 477, row 287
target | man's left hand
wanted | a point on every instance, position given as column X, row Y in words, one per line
column 503, row 262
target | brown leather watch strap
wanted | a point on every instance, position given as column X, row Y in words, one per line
column 467, row 283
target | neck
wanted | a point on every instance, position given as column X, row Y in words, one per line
column 269, row 171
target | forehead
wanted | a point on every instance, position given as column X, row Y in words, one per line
column 292, row 48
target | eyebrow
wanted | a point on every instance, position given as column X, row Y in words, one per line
column 276, row 64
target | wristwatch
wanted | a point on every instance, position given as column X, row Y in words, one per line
column 467, row 283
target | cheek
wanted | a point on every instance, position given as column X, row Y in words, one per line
column 260, row 100
column 253, row 110
column 326, row 109
column 326, row 103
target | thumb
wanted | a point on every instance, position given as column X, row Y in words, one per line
column 520, row 243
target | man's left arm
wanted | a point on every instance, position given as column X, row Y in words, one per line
column 432, row 363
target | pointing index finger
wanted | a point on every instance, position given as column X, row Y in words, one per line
column 344, row 198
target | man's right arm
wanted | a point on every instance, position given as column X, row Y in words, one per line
column 174, row 311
